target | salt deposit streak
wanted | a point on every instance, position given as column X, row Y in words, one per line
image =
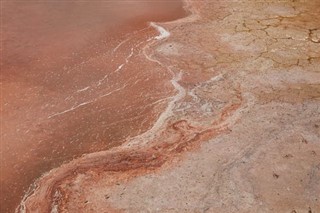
column 150, row 134
column 84, row 89
column 87, row 102
column 163, row 32
column 120, row 44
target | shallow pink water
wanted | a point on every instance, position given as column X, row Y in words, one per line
column 56, row 104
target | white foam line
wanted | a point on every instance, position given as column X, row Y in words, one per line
column 129, row 56
column 127, row 39
column 101, row 80
column 163, row 32
column 119, row 67
column 126, row 61
column 84, row 89
column 120, row 44
column 88, row 102
column 116, row 90
column 71, row 109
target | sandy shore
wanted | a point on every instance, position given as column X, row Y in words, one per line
column 239, row 130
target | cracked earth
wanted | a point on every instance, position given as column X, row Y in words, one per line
column 238, row 132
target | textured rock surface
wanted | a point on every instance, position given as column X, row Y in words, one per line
column 241, row 134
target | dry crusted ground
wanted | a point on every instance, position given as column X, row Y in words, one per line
column 244, row 134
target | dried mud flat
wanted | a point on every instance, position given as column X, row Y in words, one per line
column 241, row 133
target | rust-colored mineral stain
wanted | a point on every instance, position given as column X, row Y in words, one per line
column 74, row 80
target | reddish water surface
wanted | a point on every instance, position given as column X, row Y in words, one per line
column 74, row 80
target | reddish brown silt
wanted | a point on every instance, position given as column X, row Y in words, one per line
column 74, row 81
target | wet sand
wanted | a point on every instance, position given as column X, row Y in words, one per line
column 75, row 80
